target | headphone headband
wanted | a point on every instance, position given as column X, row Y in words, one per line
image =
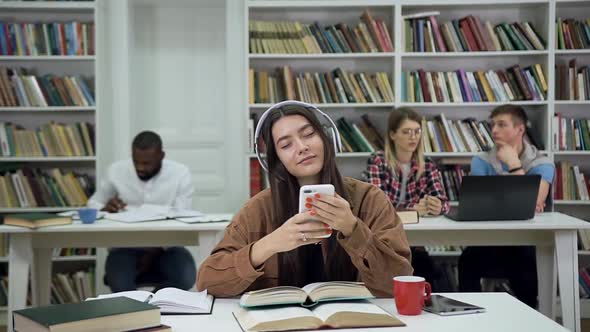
column 335, row 139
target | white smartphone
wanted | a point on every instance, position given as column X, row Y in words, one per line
column 310, row 191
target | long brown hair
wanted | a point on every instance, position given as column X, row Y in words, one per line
column 396, row 118
column 300, row 266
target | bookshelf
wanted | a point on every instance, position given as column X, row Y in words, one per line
column 83, row 64
column 399, row 61
column 541, row 13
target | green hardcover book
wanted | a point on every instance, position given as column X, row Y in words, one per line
column 113, row 314
column 513, row 38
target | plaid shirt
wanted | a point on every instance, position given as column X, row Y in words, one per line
column 379, row 174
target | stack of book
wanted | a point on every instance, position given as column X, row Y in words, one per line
column 337, row 86
column 514, row 83
column 19, row 87
column 572, row 34
column 570, row 134
column 59, row 38
column 44, row 188
column 112, row 314
column 49, row 140
column 572, row 83
column 325, row 305
column 284, row 37
column 423, row 34
column 570, row 182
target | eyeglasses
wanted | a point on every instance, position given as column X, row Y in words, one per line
column 411, row 132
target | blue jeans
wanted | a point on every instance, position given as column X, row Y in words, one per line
column 126, row 268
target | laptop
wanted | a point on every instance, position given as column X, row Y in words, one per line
column 497, row 197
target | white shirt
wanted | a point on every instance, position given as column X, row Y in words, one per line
column 172, row 186
column 405, row 175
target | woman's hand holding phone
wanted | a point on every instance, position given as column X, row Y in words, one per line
column 335, row 212
column 297, row 231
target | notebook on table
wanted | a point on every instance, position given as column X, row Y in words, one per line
column 151, row 212
column 171, row 301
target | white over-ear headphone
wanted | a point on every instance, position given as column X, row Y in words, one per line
column 331, row 130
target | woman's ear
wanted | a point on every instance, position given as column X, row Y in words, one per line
column 391, row 135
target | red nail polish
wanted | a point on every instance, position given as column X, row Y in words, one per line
column 328, row 231
column 312, row 212
column 308, row 199
column 317, row 195
column 307, row 205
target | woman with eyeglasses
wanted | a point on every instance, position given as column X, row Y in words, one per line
column 410, row 181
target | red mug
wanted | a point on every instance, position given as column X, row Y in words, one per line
column 410, row 293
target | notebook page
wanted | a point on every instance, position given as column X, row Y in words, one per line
column 324, row 311
column 138, row 295
column 209, row 217
column 174, row 297
column 340, row 284
column 279, row 313
column 145, row 212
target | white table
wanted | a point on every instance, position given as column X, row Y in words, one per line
column 32, row 249
column 554, row 234
column 503, row 313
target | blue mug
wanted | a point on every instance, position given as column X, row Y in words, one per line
column 88, row 215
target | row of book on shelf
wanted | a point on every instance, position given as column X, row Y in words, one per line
column 49, row 140
column 4, row 244
column 452, row 176
column 423, row 34
column 571, row 82
column 20, row 87
column 570, row 134
column 292, row 37
column 51, row 187
column 584, row 279
column 572, row 33
column 58, row 38
column 336, row 86
column 513, row 84
column 439, row 135
column 73, row 287
column 570, row 182
column 64, row 252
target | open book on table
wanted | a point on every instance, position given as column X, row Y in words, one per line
column 344, row 314
column 170, row 300
column 150, row 212
column 309, row 295
column 205, row 218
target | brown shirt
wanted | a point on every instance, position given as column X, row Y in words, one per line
column 378, row 247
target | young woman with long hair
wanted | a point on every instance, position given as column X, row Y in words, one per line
column 269, row 243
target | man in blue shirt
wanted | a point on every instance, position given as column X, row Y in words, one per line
column 511, row 156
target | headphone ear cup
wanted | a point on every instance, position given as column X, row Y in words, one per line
column 330, row 133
